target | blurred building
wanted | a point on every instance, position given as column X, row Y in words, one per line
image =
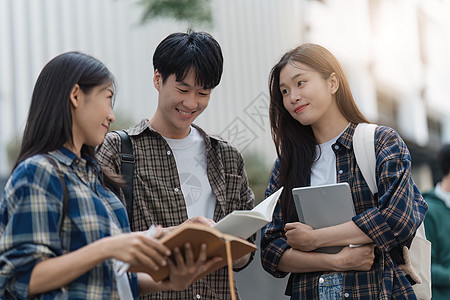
column 395, row 53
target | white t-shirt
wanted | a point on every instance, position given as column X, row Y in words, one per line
column 190, row 157
column 323, row 170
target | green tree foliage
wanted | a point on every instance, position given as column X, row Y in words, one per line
column 122, row 121
column 12, row 150
column 258, row 173
column 191, row 11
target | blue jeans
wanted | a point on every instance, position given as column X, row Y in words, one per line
column 330, row 286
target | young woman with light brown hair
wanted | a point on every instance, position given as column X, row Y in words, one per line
column 313, row 117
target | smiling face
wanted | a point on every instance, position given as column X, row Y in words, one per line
column 307, row 96
column 91, row 115
column 179, row 104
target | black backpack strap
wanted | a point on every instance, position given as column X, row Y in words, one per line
column 127, row 165
column 65, row 196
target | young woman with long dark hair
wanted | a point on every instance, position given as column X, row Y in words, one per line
column 313, row 117
column 61, row 228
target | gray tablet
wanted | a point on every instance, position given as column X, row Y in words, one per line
column 324, row 206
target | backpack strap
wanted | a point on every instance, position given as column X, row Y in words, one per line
column 65, row 196
column 415, row 262
column 364, row 149
column 127, row 165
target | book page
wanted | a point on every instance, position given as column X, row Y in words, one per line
column 241, row 225
column 267, row 206
column 244, row 223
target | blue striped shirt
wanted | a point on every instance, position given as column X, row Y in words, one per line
column 389, row 218
column 30, row 216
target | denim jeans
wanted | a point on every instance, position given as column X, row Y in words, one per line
column 330, row 286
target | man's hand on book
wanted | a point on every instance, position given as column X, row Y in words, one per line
column 183, row 270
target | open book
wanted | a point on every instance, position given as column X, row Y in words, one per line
column 196, row 234
column 244, row 223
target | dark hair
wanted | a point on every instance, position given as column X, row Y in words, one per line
column 444, row 159
column 49, row 123
column 295, row 143
column 179, row 52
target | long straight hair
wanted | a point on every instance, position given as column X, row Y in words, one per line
column 49, row 122
column 295, row 143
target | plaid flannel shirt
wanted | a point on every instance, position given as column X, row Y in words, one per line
column 158, row 199
column 389, row 219
column 30, row 216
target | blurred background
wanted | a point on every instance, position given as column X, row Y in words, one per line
column 394, row 52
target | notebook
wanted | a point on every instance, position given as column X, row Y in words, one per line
column 324, row 206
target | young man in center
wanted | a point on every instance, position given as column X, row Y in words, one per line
column 181, row 174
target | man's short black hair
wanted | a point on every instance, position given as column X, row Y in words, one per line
column 179, row 52
column 444, row 159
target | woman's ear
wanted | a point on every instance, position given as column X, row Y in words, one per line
column 333, row 83
column 75, row 94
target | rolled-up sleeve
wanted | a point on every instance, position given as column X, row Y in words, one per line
column 401, row 208
column 30, row 214
column 273, row 241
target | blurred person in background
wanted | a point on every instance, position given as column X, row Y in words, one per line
column 437, row 228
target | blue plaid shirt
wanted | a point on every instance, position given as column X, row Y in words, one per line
column 30, row 216
column 389, row 218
